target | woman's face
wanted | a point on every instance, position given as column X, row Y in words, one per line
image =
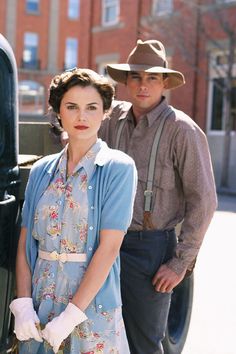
column 81, row 113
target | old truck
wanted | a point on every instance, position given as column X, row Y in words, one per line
column 21, row 144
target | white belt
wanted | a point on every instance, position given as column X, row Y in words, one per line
column 62, row 257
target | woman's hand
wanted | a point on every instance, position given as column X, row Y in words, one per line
column 61, row 327
column 25, row 319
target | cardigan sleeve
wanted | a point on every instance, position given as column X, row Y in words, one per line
column 120, row 189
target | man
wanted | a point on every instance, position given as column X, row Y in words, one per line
column 176, row 185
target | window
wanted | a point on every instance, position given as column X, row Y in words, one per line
column 111, row 12
column 102, row 70
column 30, row 54
column 224, row 1
column 217, row 119
column 103, row 60
column 73, row 9
column 162, row 7
column 218, row 66
column 71, row 53
column 31, row 98
column 32, row 6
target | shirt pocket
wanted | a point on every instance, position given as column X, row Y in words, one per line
column 165, row 178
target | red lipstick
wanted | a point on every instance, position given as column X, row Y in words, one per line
column 81, row 127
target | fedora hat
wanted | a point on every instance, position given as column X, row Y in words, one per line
column 148, row 56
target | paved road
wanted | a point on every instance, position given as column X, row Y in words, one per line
column 213, row 322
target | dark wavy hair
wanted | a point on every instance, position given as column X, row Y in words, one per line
column 61, row 83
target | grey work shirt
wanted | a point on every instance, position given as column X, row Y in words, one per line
column 183, row 188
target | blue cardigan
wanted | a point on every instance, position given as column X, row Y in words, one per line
column 111, row 192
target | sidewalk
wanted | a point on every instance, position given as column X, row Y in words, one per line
column 213, row 322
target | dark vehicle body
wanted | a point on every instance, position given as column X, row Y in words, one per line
column 9, row 189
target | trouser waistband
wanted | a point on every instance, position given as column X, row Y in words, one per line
column 150, row 233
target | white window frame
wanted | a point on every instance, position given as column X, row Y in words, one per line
column 106, row 5
column 103, row 60
column 71, row 57
column 73, row 10
column 224, row 1
column 31, row 39
column 33, row 92
column 162, row 7
column 214, row 73
column 37, row 2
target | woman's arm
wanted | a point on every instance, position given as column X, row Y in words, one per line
column 99, row 267
column 26, row 319
column 23, row 273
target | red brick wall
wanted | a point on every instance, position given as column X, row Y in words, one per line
column 97, row 41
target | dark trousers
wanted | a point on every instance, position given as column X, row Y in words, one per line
column 145, row 311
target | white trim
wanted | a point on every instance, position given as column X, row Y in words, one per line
column 104, row 7
column 215, row 74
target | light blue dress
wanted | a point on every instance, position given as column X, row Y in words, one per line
column 61, row 224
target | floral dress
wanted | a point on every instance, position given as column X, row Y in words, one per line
column 61, row 224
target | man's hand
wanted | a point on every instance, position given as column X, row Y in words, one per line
column 165, row 279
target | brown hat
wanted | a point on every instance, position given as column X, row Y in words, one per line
column 148, row 56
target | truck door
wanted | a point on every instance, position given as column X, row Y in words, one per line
column 9, row 187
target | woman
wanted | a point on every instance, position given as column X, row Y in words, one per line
column 78, row 206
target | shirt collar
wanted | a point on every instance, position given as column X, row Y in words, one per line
column 103, row 154
column 150, row 116
column 156, row 112
column 87, row 162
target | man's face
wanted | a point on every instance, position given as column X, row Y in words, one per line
column 145, row 90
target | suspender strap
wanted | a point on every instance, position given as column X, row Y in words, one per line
column 148, row 193
column 119, row 131
column 151, row 169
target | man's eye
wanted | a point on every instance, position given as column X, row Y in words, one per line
column 92, row 108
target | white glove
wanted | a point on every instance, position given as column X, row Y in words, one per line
column 25, row 319
column 60, row 327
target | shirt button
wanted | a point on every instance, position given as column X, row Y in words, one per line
column 92, row 207
column 90, row 248
column 90, row 187
column 100, row 306
column 90, row 227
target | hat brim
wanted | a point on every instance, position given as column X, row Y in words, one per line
column 118, row 72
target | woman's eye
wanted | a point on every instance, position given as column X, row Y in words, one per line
column 71, row 107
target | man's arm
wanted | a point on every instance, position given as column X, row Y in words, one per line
column 196, row 174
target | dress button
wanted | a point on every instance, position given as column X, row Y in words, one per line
column 90, row 187
column 99, row 306
column 90, row 248
column 90, row 227
column 92, row 207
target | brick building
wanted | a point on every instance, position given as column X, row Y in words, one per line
column 48, row 36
